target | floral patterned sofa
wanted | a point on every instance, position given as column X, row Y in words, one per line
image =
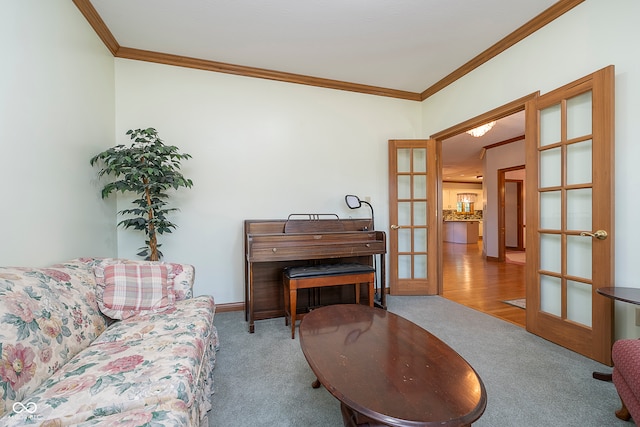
column 64, row 362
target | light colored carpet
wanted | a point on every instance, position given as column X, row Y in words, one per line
column 518, row 302
column 516, row 257
column 262, row 379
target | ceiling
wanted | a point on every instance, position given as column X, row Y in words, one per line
column 401, row 45
column 462, row 154
column 398, row 44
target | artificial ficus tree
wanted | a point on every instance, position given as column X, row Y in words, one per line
column 147, row 168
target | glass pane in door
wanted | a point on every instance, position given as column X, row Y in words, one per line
column 550, row 125
column 551, row 295
column 404, row 160
column 420, row 270
column 579, row 209
column 579, row 115
column 579, row 302
column 578, row 250
column 550, row 210
column 551, row 163
column 404, row 266
column 404, row 213
column 420, row 186
column 579, row 163
column 404, row 187
column 419, row 160
column 420, row 213
column 404, row 240
column 420, row 240
column 551, row 253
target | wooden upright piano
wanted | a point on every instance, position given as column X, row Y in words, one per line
column 272, row 245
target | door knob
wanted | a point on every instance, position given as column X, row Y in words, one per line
column 600, row 234
column 394, row 226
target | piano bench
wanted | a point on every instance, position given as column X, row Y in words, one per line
column 317, row 276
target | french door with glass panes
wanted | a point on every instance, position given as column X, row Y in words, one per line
column 413, row 235
column 570, row 167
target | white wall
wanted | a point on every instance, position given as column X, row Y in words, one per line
column 501, row 157
column 56, row 111
column 592, row 36
column 261, row 150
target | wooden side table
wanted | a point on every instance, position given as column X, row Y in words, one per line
column 630, row 295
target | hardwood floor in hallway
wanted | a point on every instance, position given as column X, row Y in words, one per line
column 471, row 280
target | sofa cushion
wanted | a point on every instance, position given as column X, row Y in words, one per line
column 47, row 316
column 184, row 274
column 183, row 277
column 134, row 289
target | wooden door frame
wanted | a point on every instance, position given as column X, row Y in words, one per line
column 502, row 213
column 495, row 114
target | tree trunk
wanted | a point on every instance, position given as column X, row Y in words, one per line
column 151, row 232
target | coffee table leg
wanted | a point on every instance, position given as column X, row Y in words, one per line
column 348, row 416
column 351, row 418
column 316, row 384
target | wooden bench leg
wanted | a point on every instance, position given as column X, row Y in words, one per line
column 370, row 293
column 293, row 298
column 287, row 311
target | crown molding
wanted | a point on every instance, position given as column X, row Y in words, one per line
column 553, row 12
column 91, row 15
column 505, row 142
column 261, row 73
column 101, row 29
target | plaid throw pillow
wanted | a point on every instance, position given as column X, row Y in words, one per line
column 134, row 289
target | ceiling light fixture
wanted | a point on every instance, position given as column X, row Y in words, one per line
column 481, row 130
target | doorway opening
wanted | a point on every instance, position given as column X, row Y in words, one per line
column 472, row 274
column 511, row 214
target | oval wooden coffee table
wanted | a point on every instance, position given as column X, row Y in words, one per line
column 386, row 370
